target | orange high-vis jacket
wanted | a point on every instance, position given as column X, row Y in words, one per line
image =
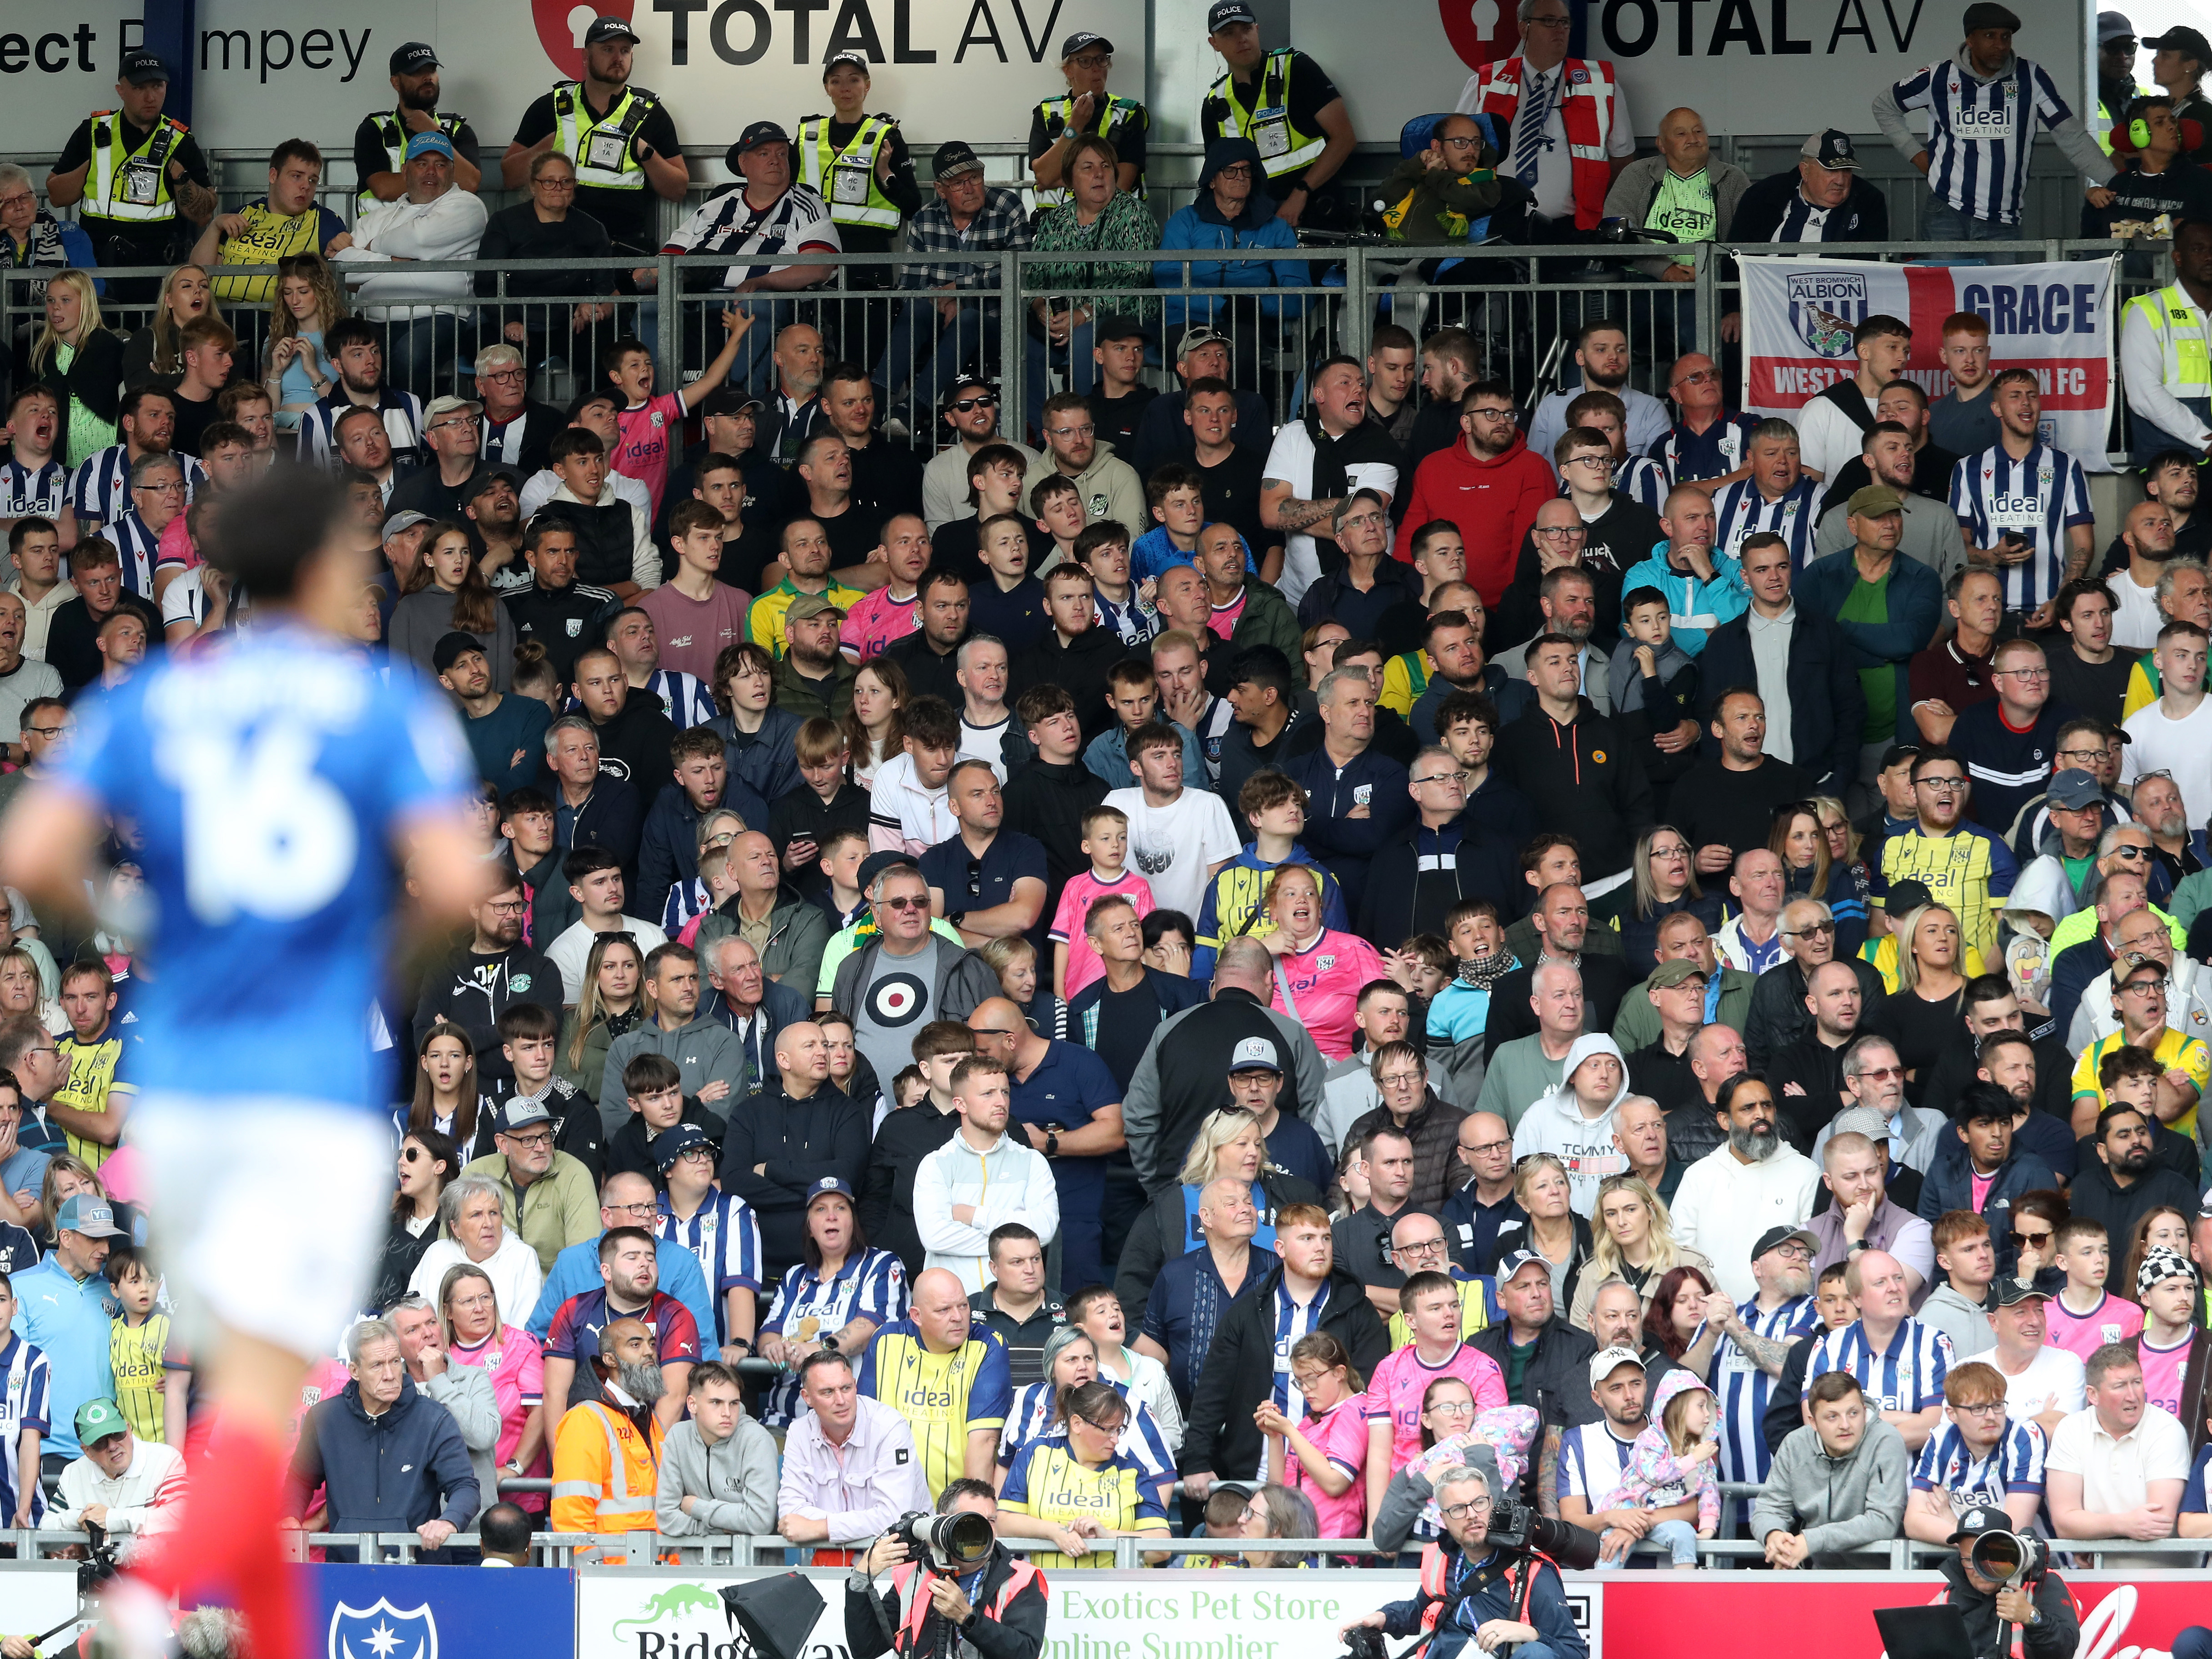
column 604, row 1473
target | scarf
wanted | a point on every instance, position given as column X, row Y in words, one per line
column 42, row 248
column 1482, row 973
column 1331, row 478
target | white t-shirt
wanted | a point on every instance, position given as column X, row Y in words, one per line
column 1826, row 437
column 2054, row 1383
column 1173, row 847
column 2183, row 747
column 1291, row 458
column 2135, row 621
column 574, row 948
column 985, row 743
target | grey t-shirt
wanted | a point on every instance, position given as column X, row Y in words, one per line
column 893, row 1003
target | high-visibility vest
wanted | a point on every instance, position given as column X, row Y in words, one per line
column 846, row 179
column 1282, row 148
column 133, row 187
column 392, row 133
column 604, row 1474
column 916, row 1603
column 600, row 149
column 2175, row 321
column 1587, row 110
column 1059, row 113
column 2107, row 117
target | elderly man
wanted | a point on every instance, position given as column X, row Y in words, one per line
column 1826, row 197
column 968, row 216
column 2122, row 891
column 1676, row 990
column 1860, row 1216
column 433, row 218
column 1520, row 1070
column 1776, row 498
column 2075, row 808
column 948, row 1382
column 546, row 1194
column 2117, row 1467
column 388, row 1457
column 1473, row 1215
column 1682, row 191
column 2098, row 1016
column 1778, row 1012
column 1680, row 936
column 607, row 1450
column 908, row 975
column 464, row 1390
column 1183, row 1301
column 1751, row 939
column 1873, row 1082
column 1754, row 1181
column 130, row 1488
column 1695, row 1130
column 626, row 1200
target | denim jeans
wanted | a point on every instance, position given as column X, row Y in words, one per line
column 1075, row 358
column 1941, row 222
column 1679, row 1536
column 754, row 371
column 920, row 338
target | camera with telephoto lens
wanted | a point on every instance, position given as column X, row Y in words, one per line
column 1516, row 1528
column 2010, row 1558
column 949, row 1543
column 1365, row 1642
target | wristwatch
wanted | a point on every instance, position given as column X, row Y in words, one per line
column 1859, row 1244
column 1052, row 1143
column 952, row 918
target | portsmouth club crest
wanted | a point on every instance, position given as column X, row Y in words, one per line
column 1825, row 307
column 383, row 1632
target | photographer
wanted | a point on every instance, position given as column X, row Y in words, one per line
column 2042, row 1610
column 996, row 1604
column 1473, row 1591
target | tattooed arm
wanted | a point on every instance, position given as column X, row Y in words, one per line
column 1281, row 510
column 1548, row 1473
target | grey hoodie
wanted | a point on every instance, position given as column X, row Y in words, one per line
column 703, row 1050
column 466, row 1391
column 1839, row 1504
column 2073, row 138
column 734, row 1481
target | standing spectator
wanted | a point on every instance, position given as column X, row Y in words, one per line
column 2117, row 1467
column 2042, row 495
column 1829, row 424
column 2160, row 736
column 997, row 1178
column 1838, row 1484
column 1572, row 763
column 127, row 1485
column 1960, row 1306
column 1567, row 117
column 1963, row 868
column 486, row 976
column 133, row 173
column 1489, row 484
column 1280, row 100
column 1064, row 1098
column 1885, row 606
column 64, row 1315
column 379, row 142
column 1798, row 662
column 1826, row 197
column 1317, row 462
column 2170, row 401
column 794, row 1132
column 347, row 1448
column 1977, row 166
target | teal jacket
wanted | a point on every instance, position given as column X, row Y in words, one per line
column 1696, row 606
column 1916, row 602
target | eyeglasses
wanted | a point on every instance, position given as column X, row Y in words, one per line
column 1113, row 1429
column 1552, row 532
column 1670, row 853
column 631, row 1209
column 1400, row 1080
column 2021, row 673
column 1242, row 170
column 1793, row 1252
column 1096, row 60
column 2091, row 756
column 1423, row 1247
column 968, row 405
column 993, row 1031
column 1813, row 932
column 1590, row 461
column 905, row 903
column 2033, row 1241
column 1941, row 786
column 549, row 181
column 500, row 374
column 1461, row 1511
column 1443, row 777
column 45, row 731
column 481, row 1300
column 16, row 198
column 174, row 486
column 1485, row 1148
column 1981, row 1408
column 1369, row 520
column 2124, row 850
column 536, row 1143
column 1492, row 413
column 506, row 907
column 1451, row 1408
column 1697, row 377
column 1071, row 431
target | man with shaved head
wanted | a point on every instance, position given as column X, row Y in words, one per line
column 1562, row 920
column 800, row 1128
column 950, row 1382
column 1068, row 1107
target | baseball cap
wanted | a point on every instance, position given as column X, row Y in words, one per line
column 1775, row 1237
column 1107, row 330
column 1518, row 1260
column 449, row 404
column 1194, row 338
column 759, row 133
column 485, row 479
column 1255, row 1053
column 1861, row 1121
column 2134, row 962
column 813, row 605
column 610, row 28
column 2073, row 788
column 1670, row 974
column 2011, row 1291
column 1906, row 896
column 830, row 1187
column 412, row 57
column 425, row 143
column 1223, row 13
column 875, row 863
column 404, row 520
column 1988, row 15
column 1363, row 494
column 1982, row 1518
column 98, row 1418
column 1831, row 148
column 451, row 648
column 523, row 1109
column 673, row 1143
column 1081, row 38
column 1898, row 753
column 2113, row 26
column 727, row 400
column 140, row 68
column 954, row 157
column 2204, row 1206
column 1606, row 1361
column 859, row 60
column 2159, row 1264
column 1872, row 500
column 90, row 1214
column 2189, row 42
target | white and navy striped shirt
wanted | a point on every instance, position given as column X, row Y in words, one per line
column 1745, row 1391
column 1946, row 1464
column 2039, row 499
column 140, row 547
column 1593, row 1460
column 1030, row 1420
column 403, row 425
column 25, row 1402
column 32, row 492
column 773, row 236
column 1803, row 222
column 1743, row 511
column 1687, row 457
column 805, row 1309
column 101, row 491
column 1291, row 1322
column 685, row 697
column 1905, row 1376
column 1980, row 131
column 725, row 1239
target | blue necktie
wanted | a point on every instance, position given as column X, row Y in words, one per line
column 1528, row 142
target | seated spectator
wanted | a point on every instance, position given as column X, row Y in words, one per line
column 1980, row 1458
column 2116, row 1468
column 548, row 226
column 1182, row 1303
column 1826, row 197
column 131, row 1488
column 466, row 1391
column 477, row 1336
column 702, row 1494
column 427, row 1162
column 840, row 1293
column 968, row 216
column 1014, row 1307
column 607, row 1450
column 948, row 1381
column 1074, row 1485
column 1838, row 1484
column 1856, row 1172
column 432, row 220
column 1230, row 215
column 348, row 1449
column 1099, row 214
column 1069, row 1361
column 612, row 1003
column 471, row 1217
column 454, row 598
column 1898, row 1362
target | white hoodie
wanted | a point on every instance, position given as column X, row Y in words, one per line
column 1554, row 1123
column 1011, row 1182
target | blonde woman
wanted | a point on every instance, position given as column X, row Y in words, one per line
column 1548, row 1225
column 1921, row 1017
column 1665, row 883
column 1229, row 1145
column 154, row 352
column 79, row 358
column 1633, row 1241
column 612, row 1002
column 1849, row 875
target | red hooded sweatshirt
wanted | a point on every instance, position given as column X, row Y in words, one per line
column 1493, row 504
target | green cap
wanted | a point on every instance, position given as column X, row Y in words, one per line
column 1670, row 974
column 98, row 1418
column 1873, row 500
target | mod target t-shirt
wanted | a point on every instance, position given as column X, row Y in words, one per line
column 893, row 1004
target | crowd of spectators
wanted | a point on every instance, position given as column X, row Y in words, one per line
column 1198, row 974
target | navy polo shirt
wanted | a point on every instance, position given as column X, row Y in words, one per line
column 1186, row 1305
column 1069, row 1087
column 972, row 884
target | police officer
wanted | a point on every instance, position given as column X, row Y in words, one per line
column 1283, row 102
column 131, row 172
column 379, row 142
column 1085, row 107
column 859, row 164
column 619, row 138
column 2166, row 353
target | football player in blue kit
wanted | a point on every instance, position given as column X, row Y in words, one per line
column 277, row 785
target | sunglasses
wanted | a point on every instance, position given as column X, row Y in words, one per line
column 968, row 405
column 906, row 904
